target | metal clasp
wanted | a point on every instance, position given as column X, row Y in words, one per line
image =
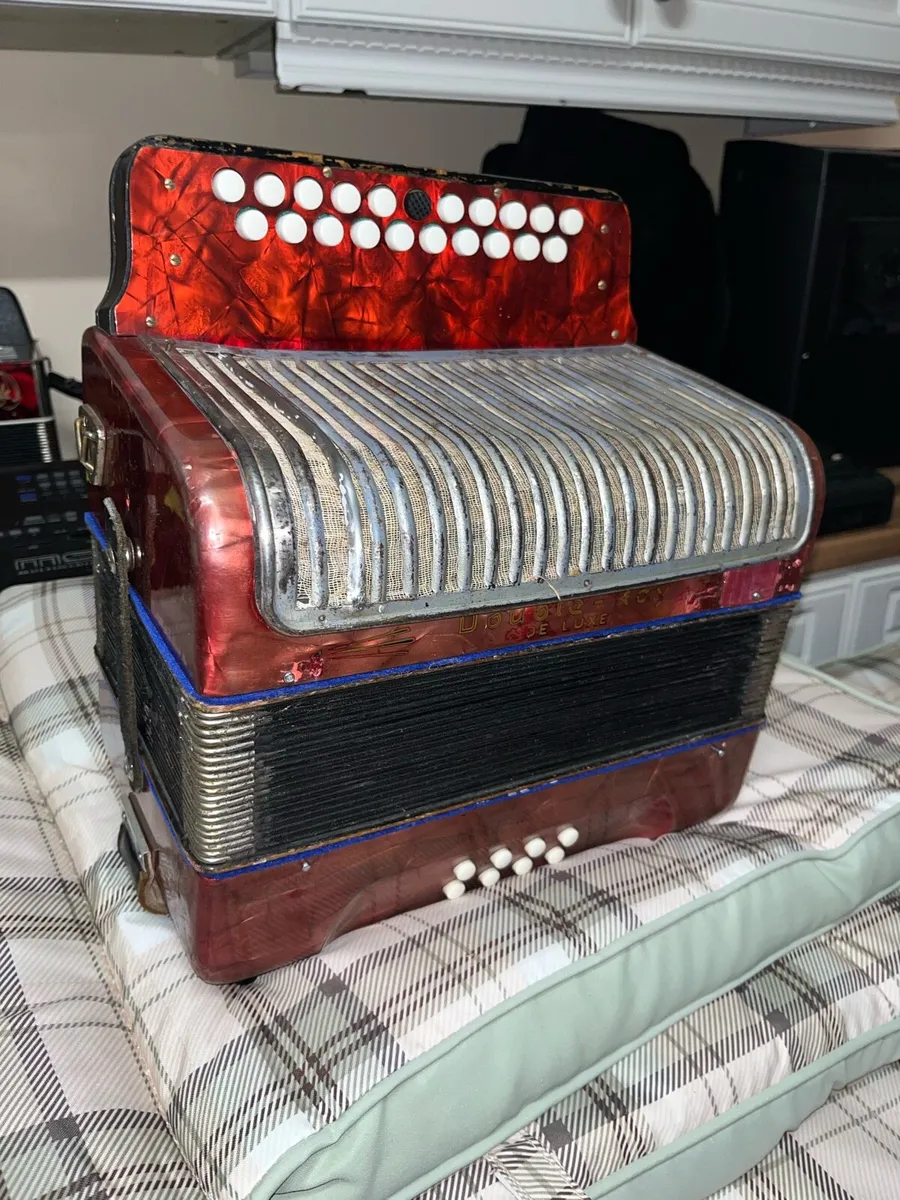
column 90, row 439
column 146, row 861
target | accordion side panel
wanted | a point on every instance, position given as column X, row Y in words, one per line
column 237, row 926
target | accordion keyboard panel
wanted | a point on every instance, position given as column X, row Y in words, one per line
column 253, row 247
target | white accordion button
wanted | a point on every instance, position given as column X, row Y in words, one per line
column 345, row 197
column 526, row 247
column 522, row 866
column 555, row 249
column 251, row 224
column 432, row 239
column 382, row 202
column 450, row 208
column 541, row 218
column 482, row 211
column 308, row 193
column 465, row 870
column 489, row 876
column 568, row 836
column 454, row 889
column 513, row 215
column 399, row 236
column 365, row 233
column 554, row 855
column 291, row 227
column 328, row 231
column 227, row 185
column 496, row 244
column 535, row 847
column 501, row 858
column 466, row 242
column 269, row 190
column 571, row 221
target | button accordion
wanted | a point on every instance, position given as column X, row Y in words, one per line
column 413, row 573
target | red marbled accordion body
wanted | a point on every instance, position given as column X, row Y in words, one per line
column 182, row 271
column 239, row 926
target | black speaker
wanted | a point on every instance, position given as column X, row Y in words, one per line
column 812, row 243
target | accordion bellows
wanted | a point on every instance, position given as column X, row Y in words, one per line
column 390, row 622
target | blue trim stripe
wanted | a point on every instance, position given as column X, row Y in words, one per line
column 319, row 851
column 176, row 666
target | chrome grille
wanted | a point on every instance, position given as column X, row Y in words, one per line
column 388, row 485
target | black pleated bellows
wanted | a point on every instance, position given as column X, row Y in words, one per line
column 352, row 756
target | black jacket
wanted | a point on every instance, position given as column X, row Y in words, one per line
column 678, row 289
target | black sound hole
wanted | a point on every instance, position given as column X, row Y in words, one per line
column 417, row 205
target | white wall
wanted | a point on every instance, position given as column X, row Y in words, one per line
column 65, row 117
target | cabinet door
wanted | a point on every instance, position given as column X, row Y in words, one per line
column 599, row 20
column 854, row 32
column 877, row 611
column 814, row 632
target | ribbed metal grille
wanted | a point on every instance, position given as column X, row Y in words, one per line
column 384, row 485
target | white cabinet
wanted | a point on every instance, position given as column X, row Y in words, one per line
column 849, row 32
column 842, row 613
column 599, row 20
column 815, row 630
column 877, row 611
column 831, row 60
column 24, row 10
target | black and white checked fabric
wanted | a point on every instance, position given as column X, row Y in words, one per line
column 244, row 1074
column 848, row 1150
column 808, row 1004
column 77, row 1117
column 875, row 674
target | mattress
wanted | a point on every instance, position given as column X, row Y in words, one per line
column 450, row 1033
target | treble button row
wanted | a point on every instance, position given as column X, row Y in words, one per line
column 270, row 191
column 328, row 230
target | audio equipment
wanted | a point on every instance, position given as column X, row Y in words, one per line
column 812, row 240
column 27, row 426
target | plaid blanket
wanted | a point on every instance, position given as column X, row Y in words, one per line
column 849, row 1149
column 875, row 674
column 242, row 1075
column 819, row 1000
column 77, row 1117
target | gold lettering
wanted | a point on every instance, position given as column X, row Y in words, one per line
column 599, row 602
column 465, row 627
column 578, row 623
column 517, row 616
column 541, row 612
column 641, row 596
column 623, row 599
column 543, row 629
column 576, row 606
column 603, row 619
column 660, row 594
column 591, row 621
column 494, row 620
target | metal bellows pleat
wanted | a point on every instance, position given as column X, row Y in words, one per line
column 393, row 485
